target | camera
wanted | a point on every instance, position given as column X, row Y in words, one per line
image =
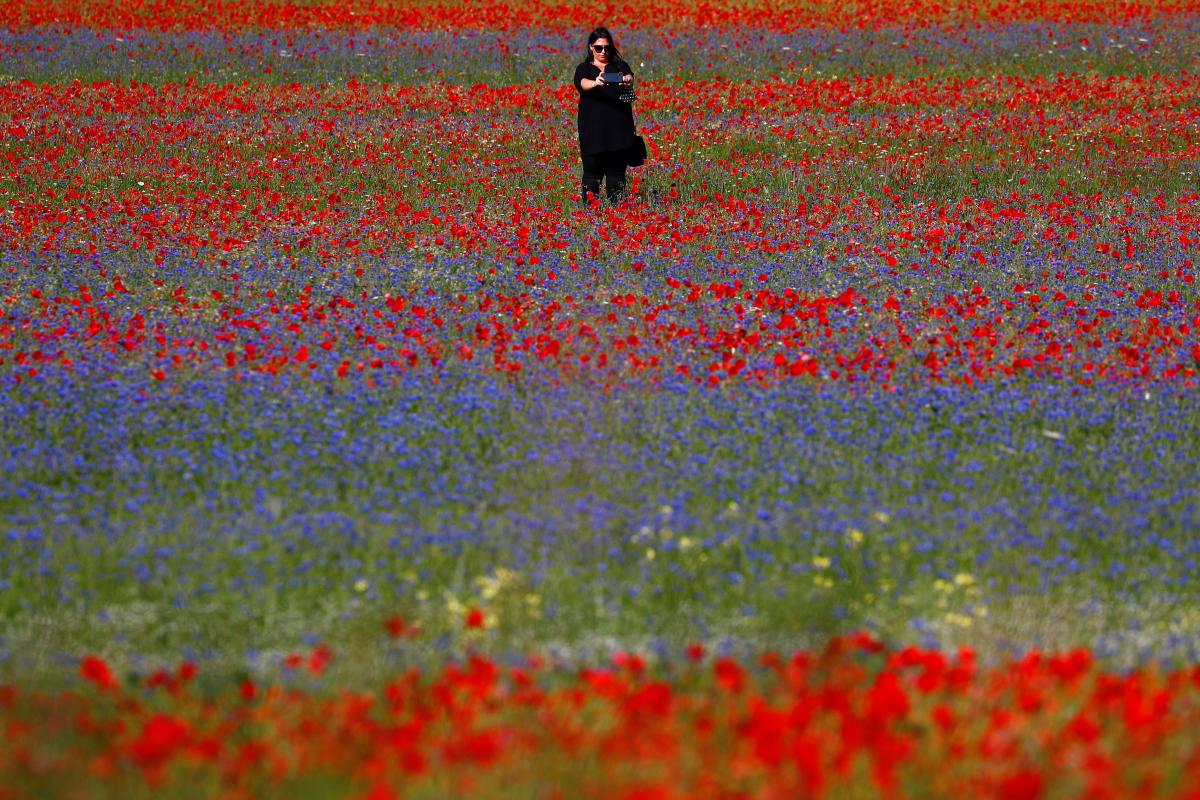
column 611, row 77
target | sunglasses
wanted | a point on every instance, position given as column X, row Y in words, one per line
column 602, row 48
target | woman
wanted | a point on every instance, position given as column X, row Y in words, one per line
column 605, row 116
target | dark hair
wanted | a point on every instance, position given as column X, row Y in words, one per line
column 601, row 33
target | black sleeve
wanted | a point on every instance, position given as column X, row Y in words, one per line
column 582, row 71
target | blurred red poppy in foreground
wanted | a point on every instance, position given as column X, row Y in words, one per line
column 855, row 717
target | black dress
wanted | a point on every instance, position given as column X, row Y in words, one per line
column 605, row 121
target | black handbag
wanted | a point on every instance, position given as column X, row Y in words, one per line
column 637, row 153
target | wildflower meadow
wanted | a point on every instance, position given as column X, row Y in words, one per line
column 344, row 453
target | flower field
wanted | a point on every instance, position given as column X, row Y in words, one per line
column 345, row 454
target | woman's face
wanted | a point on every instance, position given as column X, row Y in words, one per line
column 601, row 51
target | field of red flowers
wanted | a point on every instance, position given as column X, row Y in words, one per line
column 854, row 719
column 891, row 192
column 471, row 15
column 851, row 455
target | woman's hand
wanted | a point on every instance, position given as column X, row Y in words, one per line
column 627, row 79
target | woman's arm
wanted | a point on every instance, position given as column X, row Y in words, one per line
column 589, row 84
column 626, row 73
column 582, row 82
